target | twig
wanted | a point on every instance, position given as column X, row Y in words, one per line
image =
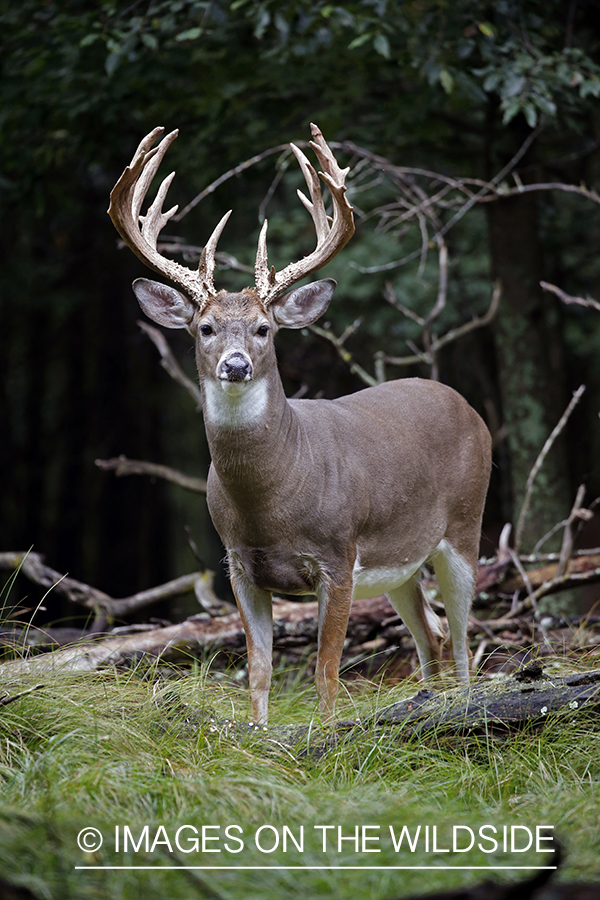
column 567, row 299
column 440, row 302
column 338, row 343
column 33, row 567
column 438, row 342
column 191, row 251
column 170, row 364
column 473, row 324
column 390, row 296
column 121, row 465
column 504, row 191
column 539, row 462
column 553, row 557
column 429, row 341
column 483, row 645
column 237, row 170
column 577, row 513
column 10, row 698
column 521, row 570
column 487, row 187
column 262, row 209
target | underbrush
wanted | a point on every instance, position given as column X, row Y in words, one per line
column 145, row 761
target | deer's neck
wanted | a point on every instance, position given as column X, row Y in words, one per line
column 248, row 428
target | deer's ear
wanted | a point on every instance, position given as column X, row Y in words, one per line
column 163, row 304
column 304, row 305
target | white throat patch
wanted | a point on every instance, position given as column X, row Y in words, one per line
column 235, row 404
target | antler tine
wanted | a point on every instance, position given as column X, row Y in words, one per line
column 325, row 156
column 150, row 160
column 330, row 238
column 140, row 233
column 155, row 219
column 264, row 278
column 206, row 266
column 316, row 208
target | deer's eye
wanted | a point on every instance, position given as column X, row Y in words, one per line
column 262, row 330
column 206, row 330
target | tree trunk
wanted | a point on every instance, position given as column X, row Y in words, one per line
column 530, row 359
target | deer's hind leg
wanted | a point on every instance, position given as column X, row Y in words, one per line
column 409, row 602
column 456, row 579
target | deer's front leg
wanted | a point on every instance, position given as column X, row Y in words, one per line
column 256, row 612
column 334, row 610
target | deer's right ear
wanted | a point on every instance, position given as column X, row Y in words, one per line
column 163, row 304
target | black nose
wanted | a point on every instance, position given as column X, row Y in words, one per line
column 237, row 367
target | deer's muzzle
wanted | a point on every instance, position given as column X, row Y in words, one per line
column 237, row 367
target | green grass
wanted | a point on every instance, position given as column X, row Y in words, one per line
column 116, row 749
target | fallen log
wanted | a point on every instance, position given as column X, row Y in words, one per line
column 374, row 631
column 295, row 625
column 528, row 698
column 525, row 697
column 500, row 576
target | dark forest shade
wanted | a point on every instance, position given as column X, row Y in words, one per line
column 78, row 381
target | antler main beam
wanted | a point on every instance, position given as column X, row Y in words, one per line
column 330, row 238
column 140, row 232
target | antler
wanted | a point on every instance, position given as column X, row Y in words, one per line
column 330, row 239
column 140, row 233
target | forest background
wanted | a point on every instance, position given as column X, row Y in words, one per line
column 503, row 94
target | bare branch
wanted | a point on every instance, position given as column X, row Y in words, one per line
column 170, row 364
column 391, row 298
column 429, row 341
column 504, row 191
column 454, row 334
column 191, row 251
column 338, row 343
column 477, row 322
column 32, row 565
column 576, row 515
column 237, row 170
column 539, row 462
column 521, row 570
column 440, row 302
column 10, row 698
column 567, row 299
column 121, row 465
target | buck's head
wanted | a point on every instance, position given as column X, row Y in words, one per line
column 233, row 332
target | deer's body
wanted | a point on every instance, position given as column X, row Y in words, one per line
column 337, row 498
column 387, row 450
column 347, row 498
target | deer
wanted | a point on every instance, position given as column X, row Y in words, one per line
column 340, row 499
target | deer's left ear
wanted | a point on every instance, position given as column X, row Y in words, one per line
column 304, row 305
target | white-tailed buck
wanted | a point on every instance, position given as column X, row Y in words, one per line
column 338, row 498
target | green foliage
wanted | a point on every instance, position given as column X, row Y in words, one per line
column 512, row 50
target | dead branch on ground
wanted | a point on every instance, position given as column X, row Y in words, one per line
column 32, row 565
column 376, row 635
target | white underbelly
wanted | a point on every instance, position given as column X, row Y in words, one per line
column 371, row 582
